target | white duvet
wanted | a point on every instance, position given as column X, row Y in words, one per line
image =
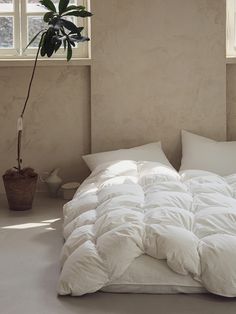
column 126, row 209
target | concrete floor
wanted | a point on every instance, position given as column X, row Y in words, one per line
column 30, row 244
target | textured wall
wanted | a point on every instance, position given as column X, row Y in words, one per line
column 158, row 67
column 57, row 123
column 231, row 101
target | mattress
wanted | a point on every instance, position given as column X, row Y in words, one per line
column 148, row 275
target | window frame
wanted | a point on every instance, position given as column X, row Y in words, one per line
column 20, row 18
column 12, row 52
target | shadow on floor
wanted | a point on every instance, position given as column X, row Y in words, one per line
column 101, row 303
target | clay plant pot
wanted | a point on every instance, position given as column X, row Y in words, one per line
column 20, row 191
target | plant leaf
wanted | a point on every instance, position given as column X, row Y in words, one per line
column 63, row 5
column 69, row 51
column 48, row 16
column 78, row 38
column 50, row 50
column 43, row 50
column 49, row 43
column 80, row 29
column 69, row 25
column 81, row 13
column 72, row 43
column 65, row 44
column 42, row 39
column 49, row 5
column 74, row 7
column 33, row 39
column 57, row 45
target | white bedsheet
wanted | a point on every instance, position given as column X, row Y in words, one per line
column 127, row 209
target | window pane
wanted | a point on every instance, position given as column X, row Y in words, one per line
column 6, row 32
column 35, row 24
column 34, row 6
column 6, row 5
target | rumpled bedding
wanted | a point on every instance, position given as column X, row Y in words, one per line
column 126, row 209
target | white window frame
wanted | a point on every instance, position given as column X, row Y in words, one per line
column 20, row 14
column 12, row 52
column 231, row 28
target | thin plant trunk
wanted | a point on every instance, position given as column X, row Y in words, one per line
column 20, row 130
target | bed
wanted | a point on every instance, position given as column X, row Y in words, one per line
column 142, row 227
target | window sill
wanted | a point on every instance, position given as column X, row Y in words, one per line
column 231, row 60
column 44, row 62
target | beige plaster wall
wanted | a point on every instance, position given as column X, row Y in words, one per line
column 57, row 123
column 159, row 66
column 231, row 101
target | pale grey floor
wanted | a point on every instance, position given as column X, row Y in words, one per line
column 30, row 244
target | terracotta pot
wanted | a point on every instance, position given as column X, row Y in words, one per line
column 20, row 191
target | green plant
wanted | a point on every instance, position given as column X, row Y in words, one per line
column 59, row 32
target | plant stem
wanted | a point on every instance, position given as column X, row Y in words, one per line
column 19, row 159
column 19, row 135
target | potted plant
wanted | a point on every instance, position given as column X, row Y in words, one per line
column 20, row 182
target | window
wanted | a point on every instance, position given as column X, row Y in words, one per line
column 20, row 20
column 231, row 28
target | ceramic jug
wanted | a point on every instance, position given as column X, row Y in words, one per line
column 53, row 182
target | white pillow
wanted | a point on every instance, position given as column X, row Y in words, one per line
column 148, row 152
column 205, row 154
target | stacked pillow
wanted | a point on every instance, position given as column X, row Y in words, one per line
column 148, row 152
column 202, row 153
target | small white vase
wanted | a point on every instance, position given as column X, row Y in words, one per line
column 53, row 182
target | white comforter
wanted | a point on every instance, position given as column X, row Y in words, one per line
column 128, row 208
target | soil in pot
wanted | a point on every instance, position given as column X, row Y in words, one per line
column 20, row 188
